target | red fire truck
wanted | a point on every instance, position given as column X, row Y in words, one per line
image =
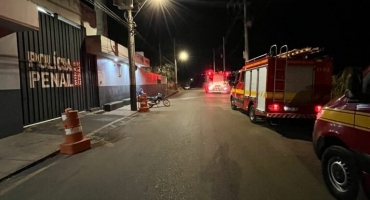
column 217, row 82
column 291, row 84
column 341, row 140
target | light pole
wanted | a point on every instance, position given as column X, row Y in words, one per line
column 183, row 56
column 174, row 54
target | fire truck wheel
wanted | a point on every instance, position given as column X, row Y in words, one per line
column 340, row 173
column 232, row 102
column 252, row 115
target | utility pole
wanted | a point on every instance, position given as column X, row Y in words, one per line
column 246, row 48
column 214, row 61
column 223, row 50
column 174, row 54
column 128, row 6
column 160, row 56
column 243, row 4
column 131, row 55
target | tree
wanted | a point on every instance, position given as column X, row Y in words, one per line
column 167, row 70
column 339, row 82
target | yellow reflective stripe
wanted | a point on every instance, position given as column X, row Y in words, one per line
column 358, row 120
column 364, row 114
column 233, row 90
column 267, row 95
column 362, row 121
column 239, row 91
column 278, row 95
column 338, row 116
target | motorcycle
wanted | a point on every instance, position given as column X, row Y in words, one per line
column 156, row 100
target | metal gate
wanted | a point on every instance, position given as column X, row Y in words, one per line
column 52, row 77
column 91, row 80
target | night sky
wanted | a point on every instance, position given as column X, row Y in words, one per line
column 198, row 26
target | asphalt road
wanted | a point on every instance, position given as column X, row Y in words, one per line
column 198, row 148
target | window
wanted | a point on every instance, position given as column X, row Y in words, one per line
column 237, row 77
column 243, row 77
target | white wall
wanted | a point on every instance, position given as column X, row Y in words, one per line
column 21, row 12
column 110, row 74
column 9, row 67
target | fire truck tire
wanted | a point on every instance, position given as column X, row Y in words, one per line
column 340, row 173
column 251, row 114
column 232, row 102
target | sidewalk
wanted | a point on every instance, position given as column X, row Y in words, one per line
column 39, row 142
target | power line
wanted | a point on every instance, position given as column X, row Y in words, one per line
column 237, row 46
column 108, row 12
column 124, row 23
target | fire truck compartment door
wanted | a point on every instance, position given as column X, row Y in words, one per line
column 261, row 99
column 247, row 84
column 254, row 83
column 299, row 84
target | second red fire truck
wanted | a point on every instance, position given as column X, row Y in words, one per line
column 291, row 84
column 217, row 82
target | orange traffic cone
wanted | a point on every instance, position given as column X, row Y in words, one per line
column 74, row 139
column 143, row 103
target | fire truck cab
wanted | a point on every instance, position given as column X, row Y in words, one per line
column 291, row 84
column 217, row 82
column 341, row 140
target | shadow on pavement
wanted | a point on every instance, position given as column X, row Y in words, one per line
column 298, row 129
column 224, row 174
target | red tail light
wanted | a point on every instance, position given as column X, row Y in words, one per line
column 318, row 108
column 274, row 107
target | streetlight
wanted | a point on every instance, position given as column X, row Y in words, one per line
column 183, row 56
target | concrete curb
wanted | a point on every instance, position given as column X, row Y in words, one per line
column 52, row 154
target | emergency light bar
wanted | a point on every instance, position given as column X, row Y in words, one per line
column 296, row 52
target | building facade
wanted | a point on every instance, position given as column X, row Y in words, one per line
column 52, row 58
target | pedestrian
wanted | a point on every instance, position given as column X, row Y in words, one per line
column 140, row 92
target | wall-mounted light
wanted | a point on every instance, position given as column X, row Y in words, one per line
column 116, row 59
column 43, row 10
column 119, row 68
